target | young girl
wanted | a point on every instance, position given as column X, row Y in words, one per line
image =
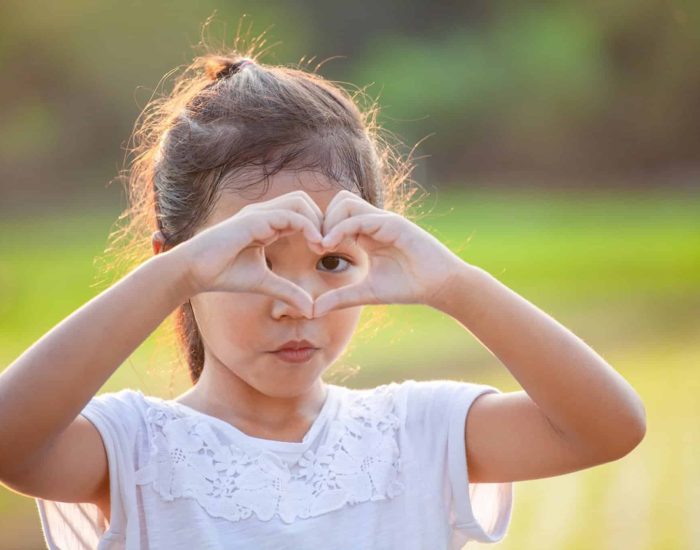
column 276, row 217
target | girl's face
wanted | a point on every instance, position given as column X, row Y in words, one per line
column 239, row 330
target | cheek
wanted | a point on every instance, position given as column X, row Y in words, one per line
column 341, row 324
column 227, row 317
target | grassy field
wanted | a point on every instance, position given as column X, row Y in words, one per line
column 621, row 270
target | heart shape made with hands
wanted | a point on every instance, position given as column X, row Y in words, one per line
column 357, row 293
column 406, row 263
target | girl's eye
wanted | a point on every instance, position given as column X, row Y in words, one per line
column 332, row 263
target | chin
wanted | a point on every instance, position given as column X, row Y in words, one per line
column 286, row 390
column 293, row 381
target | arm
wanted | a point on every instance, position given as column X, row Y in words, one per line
column 576, row 410
column 44, row 389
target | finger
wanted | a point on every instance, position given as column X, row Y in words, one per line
column 348, row 296
column 380, row 227
column 315, row 208
column 301, row 202
column 280, row 222
column 348, row 205
column 339, row 196
column 311, row 233
column 285, row 290
column 288, row 223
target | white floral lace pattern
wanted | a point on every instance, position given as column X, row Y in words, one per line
column 359, row 460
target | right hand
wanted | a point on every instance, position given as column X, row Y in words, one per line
column 229, row 256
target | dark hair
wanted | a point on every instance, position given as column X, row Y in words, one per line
column 223, row 124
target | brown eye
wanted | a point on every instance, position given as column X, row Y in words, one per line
column 331, row 262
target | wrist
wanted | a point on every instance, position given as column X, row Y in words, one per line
column 461, row 284
column 176, row 263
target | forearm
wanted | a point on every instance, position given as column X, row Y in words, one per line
column 47, row 386
column 580, row 393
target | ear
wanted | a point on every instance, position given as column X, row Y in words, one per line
column 158, row 242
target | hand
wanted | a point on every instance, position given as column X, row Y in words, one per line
column 230, row 256
column 407, row 265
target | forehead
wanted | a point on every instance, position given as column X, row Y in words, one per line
column 319, row 188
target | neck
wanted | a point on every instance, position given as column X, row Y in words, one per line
column 220, row 392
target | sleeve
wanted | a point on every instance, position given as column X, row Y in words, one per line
column 67, row 525
column 437, row 413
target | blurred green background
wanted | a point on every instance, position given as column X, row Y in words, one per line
column 561, row 157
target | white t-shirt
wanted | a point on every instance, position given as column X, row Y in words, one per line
column 379, row 468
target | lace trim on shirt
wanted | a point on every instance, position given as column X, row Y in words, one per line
column 359, row 461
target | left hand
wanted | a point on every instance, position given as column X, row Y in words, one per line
column 407, row 265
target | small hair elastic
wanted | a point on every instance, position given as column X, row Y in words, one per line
column 234, row 68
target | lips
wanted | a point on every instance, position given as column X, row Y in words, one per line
column 296, row 345
column 295, row 351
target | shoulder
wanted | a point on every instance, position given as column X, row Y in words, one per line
column 125, row 395
column 418, row 390
column 438, row 394
column 120, row 412
column 126, row 400
column 418, row 402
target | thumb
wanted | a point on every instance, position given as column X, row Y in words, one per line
column 348, row 296
column 285, row 290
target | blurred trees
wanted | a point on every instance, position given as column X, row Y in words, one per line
column 576, row 88
column 535, row 92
